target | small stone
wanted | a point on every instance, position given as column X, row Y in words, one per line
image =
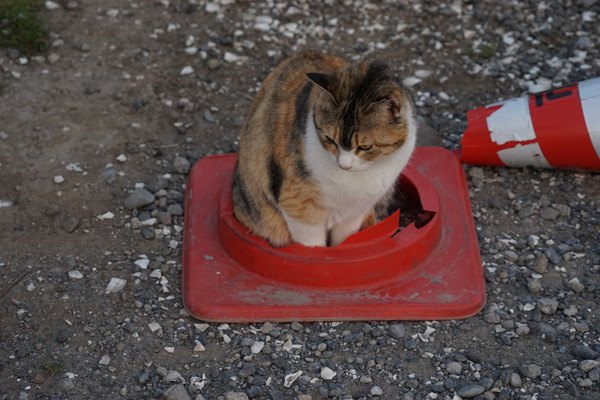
column 297, row 326
column 327, row 373
column 266, row 328
column 570, row 311
column 397, row 331
column 199, row 347
column 515, row 380
column 181, row 165
column 51, row 5
column 584, row 42
column 154, row 326
column 173, row 376
column 291, row 378
column 58, row 179
column 548, row 305
column 549, row 213
column 257, row 347
column 376, row 391
column 65, row 385
column 588, row 365
column 585, row 352
column 491, row 317
column 121, row 158
column 4, row 135
column 469, row 391
column 454, row 368
column 534, row 285
column 576, row 286
column 105, row 360
column 187, row 70
column 115, row 285
column 109, row 175
column 209, row 117
column 175, row 209
column 236, row 396
column 139, row 198
column 75, row 275
column 531, row 371
column 540, row 264
column 511, row 256
column 62, row 335
column 69, row 223
column 177, row 392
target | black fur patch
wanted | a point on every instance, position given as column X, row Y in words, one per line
column 276, row 178
column 242, row 198
column 363, row 93
column 302, row 110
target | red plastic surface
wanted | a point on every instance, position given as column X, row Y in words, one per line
column 384, row 272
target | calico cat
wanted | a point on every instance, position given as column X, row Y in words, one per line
column 323, row 143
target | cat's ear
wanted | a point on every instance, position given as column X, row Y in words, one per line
column 390, row 102
column 324, row 81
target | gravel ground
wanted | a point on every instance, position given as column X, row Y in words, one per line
column 96, row 139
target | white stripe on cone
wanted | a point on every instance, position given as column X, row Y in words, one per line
column 589, row 93
column 520, row 155
column 511, row 122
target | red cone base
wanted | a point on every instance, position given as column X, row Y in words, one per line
column 430, row 269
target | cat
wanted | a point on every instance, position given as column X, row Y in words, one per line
column 324, row 142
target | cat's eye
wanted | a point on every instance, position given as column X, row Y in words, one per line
column 330, row 141
column 364, row 148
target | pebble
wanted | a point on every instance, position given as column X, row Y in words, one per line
column 491, row 317
column 181, row 165
column 548, row 305
column 531, row 371
column 585, row 352
column 534, row 285
column 540, row 264
column 65, row 385
column 575, row 285
column 515, row 380
column 138, row 198
column 469, row 391
column 397, row 331
column 327, row 373
column 105, row 360
column 177, row 392
column 257, row 347
column 454, row 368
column 115, row 285
column 549, row 213
column 236, row 396
column 58, row 179
column 376, row 391
column 187, row 70
column 588, row 365
column 75, row 275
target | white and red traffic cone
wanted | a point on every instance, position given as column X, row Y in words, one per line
column 559, row 128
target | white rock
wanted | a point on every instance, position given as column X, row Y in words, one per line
column 327, row 373
column 169, row 349
column 212, row 7
column 58, row 179
column 199, row 346
column 74, row 274
column 142, row 263
column 201, row 327
column 121, row 158
column 155, row 274
column 154, row 326
column 106, row 215
column 231, row 57
column 291, row 378
column 105, row 360
column 30, row 287
column 4, row 135
column 115, row 285
column 508, row 38
column 50, row 5
column 411, row 81
column 112, row 12
column 257, row 347
column 74, row 167
column 5, row 203
column 469, row 34
column 422, row 73
column 187, row 70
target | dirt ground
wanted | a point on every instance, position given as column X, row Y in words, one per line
column 114, row 83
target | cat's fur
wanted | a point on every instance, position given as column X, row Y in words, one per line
column 323, row 143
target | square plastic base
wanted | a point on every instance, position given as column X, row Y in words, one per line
column 447, row 284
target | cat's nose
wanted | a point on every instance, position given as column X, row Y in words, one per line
column 344, row 166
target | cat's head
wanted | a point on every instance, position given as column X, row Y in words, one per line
column 362, row 113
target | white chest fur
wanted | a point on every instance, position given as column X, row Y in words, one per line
column 351, row 194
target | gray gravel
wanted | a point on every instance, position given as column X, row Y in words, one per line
column 165, row 83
